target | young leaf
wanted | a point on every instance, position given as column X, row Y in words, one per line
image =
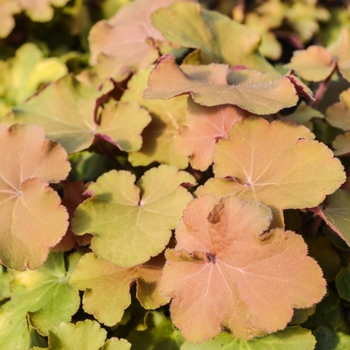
column 189, row 25
column 107, row 286
column 34, row 299
column 158, row 136
column 338, row 114
column 336, row 213
column 31, row 211
column 223, row 270
column 256, row 92
column 274, row 163
column 65, row 109
column 132, row 223
column 341, row 144
column 290, row 338
column 205, row 127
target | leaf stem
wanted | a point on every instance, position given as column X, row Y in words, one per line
column 322, row 89
column 110, row 156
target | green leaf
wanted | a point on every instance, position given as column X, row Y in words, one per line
column 189, row 25
column 43, row 296
column 342, row 282
column 289, row 339
column 116, row 344
column 132, row 223
column 159, row 334
column 330, row 340
column 65, row 109
column 107, row 287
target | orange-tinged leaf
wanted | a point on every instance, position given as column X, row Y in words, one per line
column 132, row 223
column 7, row 9
column 107, row 287
column 313, row 64
column 66, row 110
column 341, row 144
column 338, row 114
column 275, row 163
column 41, row 10
column 256, row 92
column 230, row 272
column 205, row 127
column 31, row 211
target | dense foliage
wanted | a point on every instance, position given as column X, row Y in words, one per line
column 195, row 150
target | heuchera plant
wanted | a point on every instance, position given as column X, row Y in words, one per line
column 180, row 150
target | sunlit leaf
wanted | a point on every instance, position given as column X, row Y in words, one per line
column 41, row 10
column 256, row 92
column 338, row 114
column 289, row 339
column 116, row 344
column 35, row 297
column 132, row 223
column 341, row 144
column 65, row 110
column 223, row 270
column 189, row 25
column 7, row 9
column 31, row 210
column 275, row 163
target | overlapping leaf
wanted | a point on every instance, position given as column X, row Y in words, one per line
column 31, row 211
column 189, row 25
column 158, row 136
column 223, row 270
column 341, row 144
column 276, row 164
column 338, row 114
column 205, row 127
column 289, row 339
column 7, row 9
column 120, row 53
column 336, row 213
column 256, row 92
column 41, row 10
column 132, row 223
column 107, row 286
column 34, row 299
column 65, row 110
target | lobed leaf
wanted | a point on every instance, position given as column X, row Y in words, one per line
column 223, row 270
column 274, row 163
column 341, row 144
column 189, row 25
column 8, row 8
column 66, row 110
column 338, row 114
column 256, row 92
column 132, row 223
column 34, row 299
column 31, row 211
column 107, row 286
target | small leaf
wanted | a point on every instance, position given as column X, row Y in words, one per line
column 338, row 114
column 342, row 282
column 116, row 344
column 223, row 270
column 330, row 340
column 132, row 223
column 341, row 144
column 256, row 92
column 8, row 8
column 31, row 210
column 107, row 286
column 41, row 10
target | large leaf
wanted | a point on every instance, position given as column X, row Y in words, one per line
column 31, row 210
column 276, row 163
column 66, row 109
column 223, row 270
column 189, row 25
column 291, row 338
column 34, row 299
column 158, row 136
column 256, row 92
column 107, row 287
column 132, row 223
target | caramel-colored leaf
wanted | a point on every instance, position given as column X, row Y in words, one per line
column 107, row 287
column 41, row 10
column 338, row 114
column 341, row 144
column 256, row 92
column 223, row 270
column 7, row 9
column 275, row 163
column 31, row 211
column 66, row 109
column 132, row 223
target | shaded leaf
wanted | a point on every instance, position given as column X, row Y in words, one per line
column 290, row 338
column 313, row 64
column 65, row 110
column 274, row 163
column 158, row 136
column 336, row 213
column 343, row 283
column 132, row 223
column 330, row 340
column 35, row 296
column 338, row 114
column 159, row 334
column 31, row 210
column 107, row 286
column 256, row 92
column 189, row 25
column 223, row 270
